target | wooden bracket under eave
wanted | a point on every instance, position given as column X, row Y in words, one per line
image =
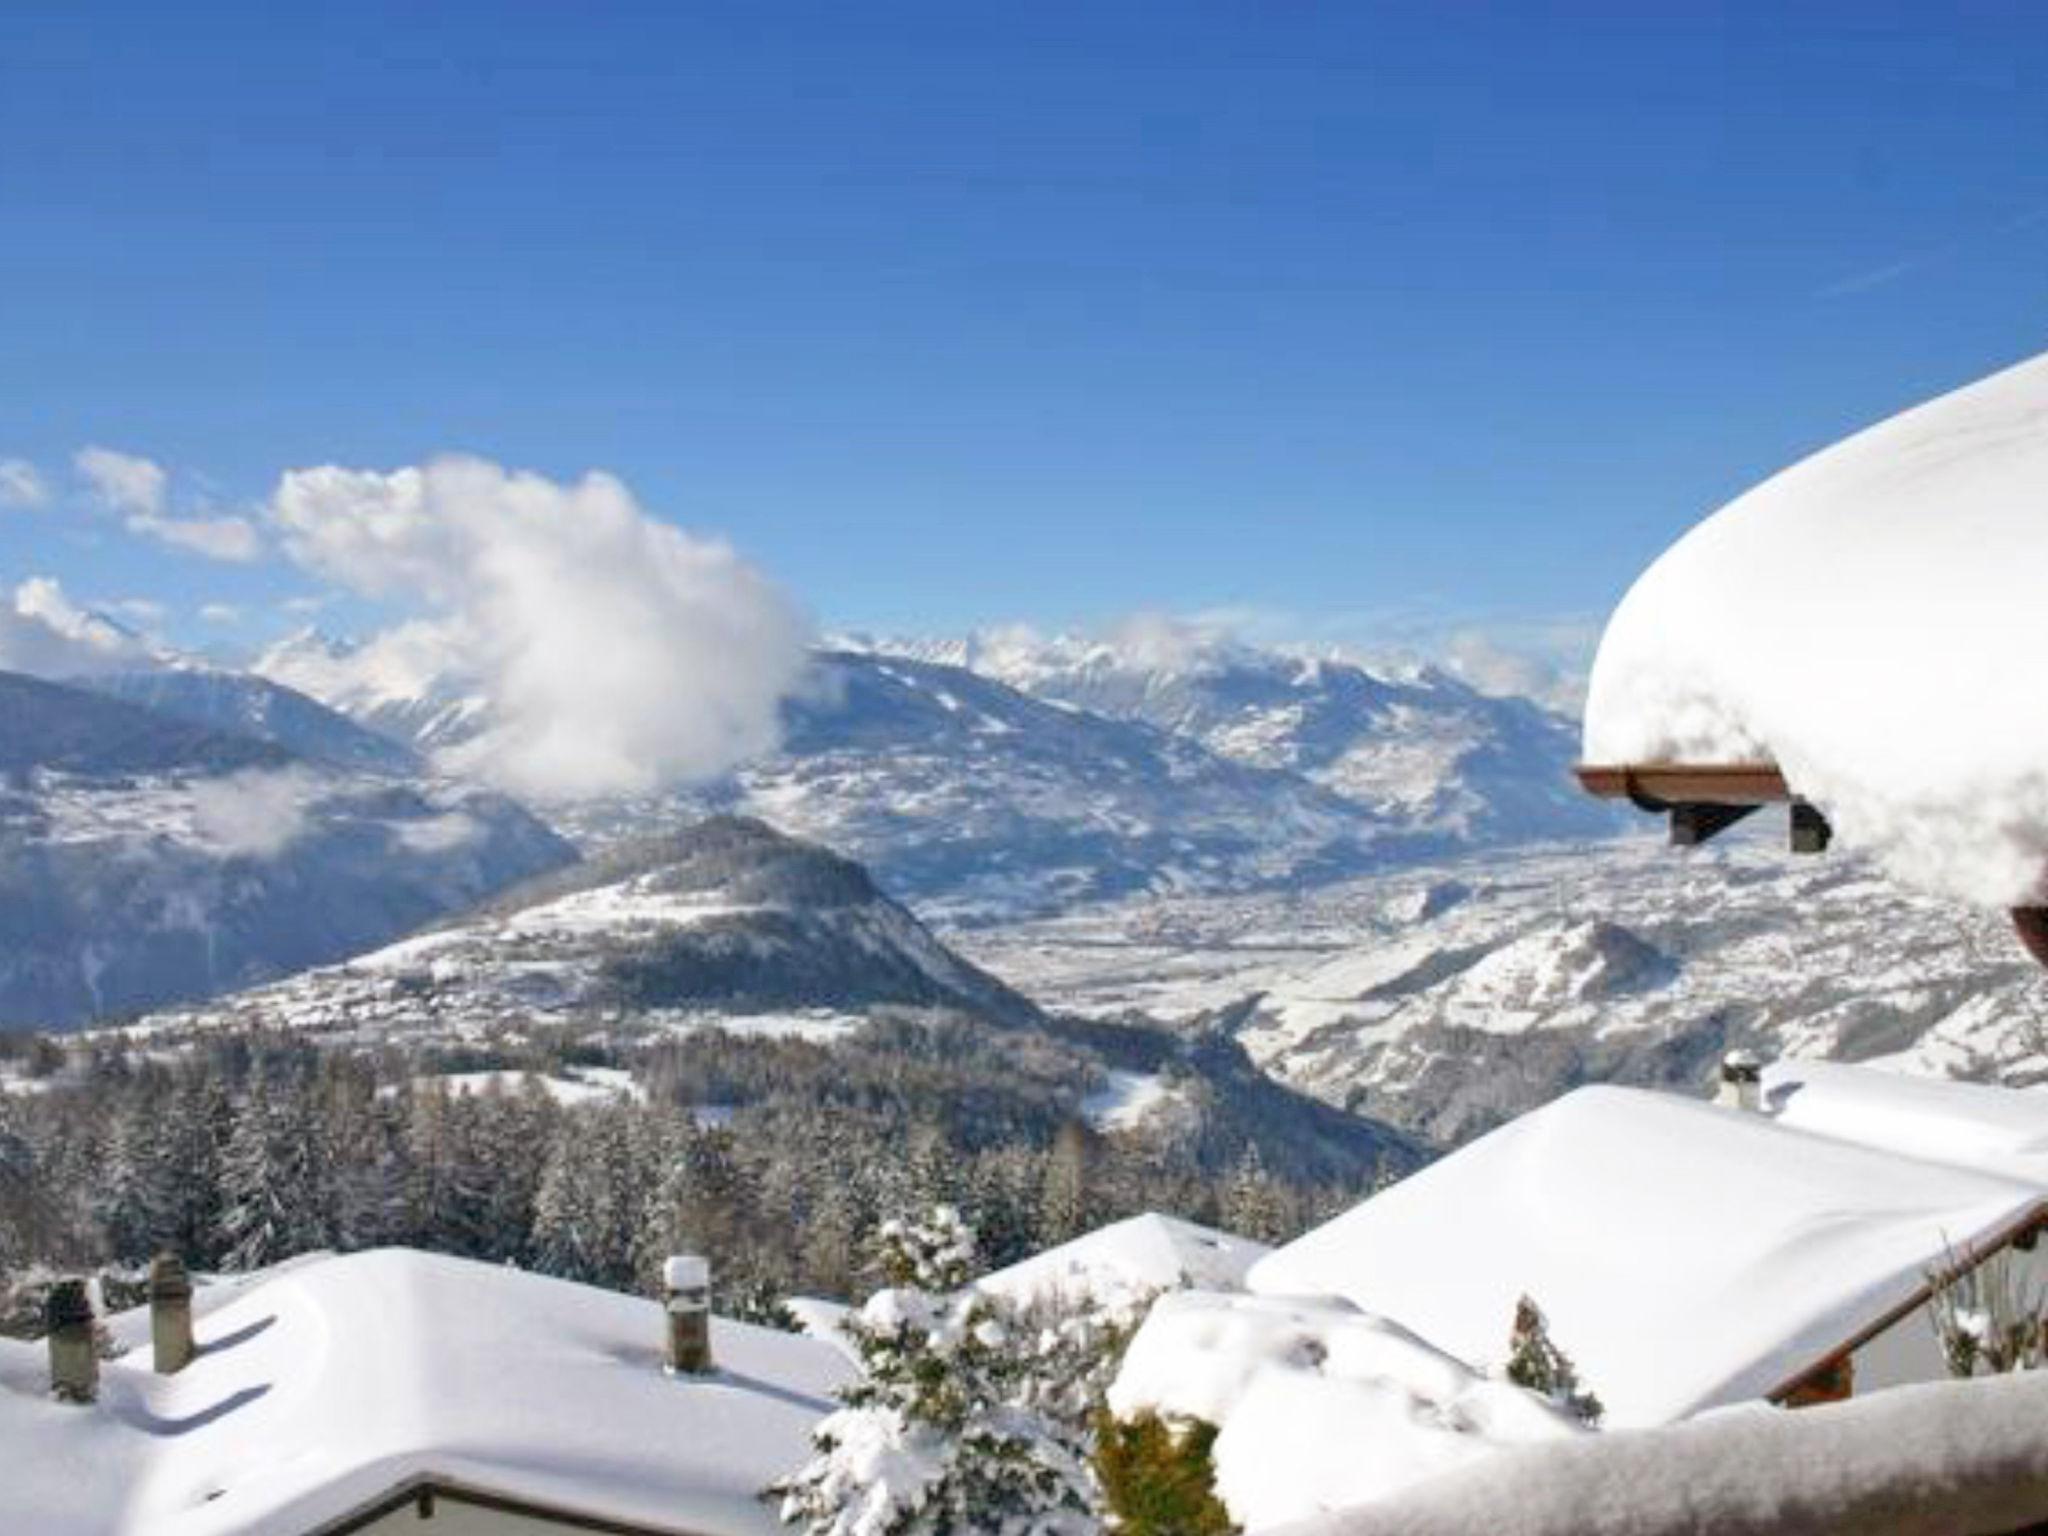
column 1706, row 799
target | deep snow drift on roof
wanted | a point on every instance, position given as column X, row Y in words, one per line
column 1686, row 1255
column 1866, row 620
column 1319, row 1405
column 1967, row 1124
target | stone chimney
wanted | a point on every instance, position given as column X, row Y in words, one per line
column 1742, row 1082
column 74, row 1358
column 170, row 1313
column 686, row 1297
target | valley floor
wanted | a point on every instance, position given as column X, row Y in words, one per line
column 1446, row 998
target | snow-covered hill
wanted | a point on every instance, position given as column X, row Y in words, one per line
column 1448, row 998
column 146, row 858
column 728, row 922
column 735, row 927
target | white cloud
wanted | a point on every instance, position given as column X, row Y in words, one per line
column 21, row 484
column 233, row 539
column 220, row 613
column 124, row 482
column 256, row 813
column 1547, row 662
column 142, row 610
column 618, row 651
column 42, row 632
column 1171, row 642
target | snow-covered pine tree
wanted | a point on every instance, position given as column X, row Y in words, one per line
column 125, row 1199
column 367, row 1166
column 1254, row 1204
column 184, row 1166
column 1535, row 1362
column 1066, row 1204
column 271, row 1174
column 1002, row 1199
column 937, row 1437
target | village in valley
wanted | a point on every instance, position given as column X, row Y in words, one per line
column 511, row 1022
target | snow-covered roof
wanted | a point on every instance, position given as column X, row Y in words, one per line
column 1126, row 1258
column 1686, row 1255
column 1999, row 1130
column 1318, row 1405
column 321, row 1390
column 1866, row 619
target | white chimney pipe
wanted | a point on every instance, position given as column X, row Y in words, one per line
column 1742, row 1082
column 686, row 1298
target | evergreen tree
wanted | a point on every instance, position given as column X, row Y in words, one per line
column 1538, row 1364
column 1158, row 1476
column 271, row 1175
column 937, row 1435
column 1254, row 1204
column 125, row 1199
column 1066, row 1207
column 185, row 1165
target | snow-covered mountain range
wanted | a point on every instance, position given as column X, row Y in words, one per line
column 983, row 791
column 1414, row 744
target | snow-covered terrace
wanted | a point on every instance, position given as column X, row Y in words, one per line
column 345, row 1385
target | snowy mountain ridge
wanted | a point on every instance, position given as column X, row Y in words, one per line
column 978, row 797
column 728, row 923
column 147, row 856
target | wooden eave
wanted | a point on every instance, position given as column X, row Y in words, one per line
column 425, row 1491
column 1658, row 785
column 2031, row 1221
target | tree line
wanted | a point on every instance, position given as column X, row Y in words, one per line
column 779, row 1160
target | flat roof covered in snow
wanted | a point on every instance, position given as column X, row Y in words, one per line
column 317, row 1393
column 1686, row 1255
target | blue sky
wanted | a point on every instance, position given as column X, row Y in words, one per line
column 1363, row 319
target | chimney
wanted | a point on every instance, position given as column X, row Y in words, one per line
column 74, row 1357
column 686, row 1297
column 1742, row 1077
column 170, row 1313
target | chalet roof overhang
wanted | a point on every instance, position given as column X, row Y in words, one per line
column 2022, row 1232
column 425, row 1493
column 1703, row 800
